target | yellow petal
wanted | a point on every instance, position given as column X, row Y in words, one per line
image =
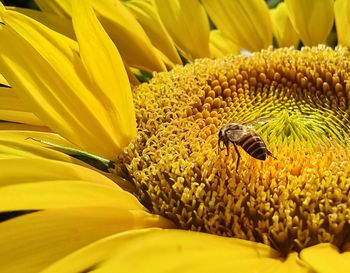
column 247, row 23
column 342, row 21
column 147, row 16
column 312, row 19
column 14, row 144
column 63, row 194
column 24, row 145
column 105, row 67
column 65, row 99
column 325, row 258
column 132, row 78
column 61, row 8
column 17, row 135
column 13, row 109
column 9, row 100
column 2, row 10
column 128, row 35
column 20, row 126
column 32, row 242
column 221, row 45
column 53, row 21
column 50, row 170
column 191, row 36
column 282, row 27
column 156, row 250
column 21, row 117
column 3, row 82
column 19, row 145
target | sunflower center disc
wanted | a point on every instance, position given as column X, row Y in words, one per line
column 297, row 200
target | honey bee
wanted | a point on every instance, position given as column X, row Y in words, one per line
column 244, row 135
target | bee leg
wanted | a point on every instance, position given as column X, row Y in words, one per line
column 238, row 157
column 219, row 144
column 270, row 154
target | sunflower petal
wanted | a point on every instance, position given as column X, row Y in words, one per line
column 64, row 194
column 20, row 117
column 3, row 82
column 190, row 36
column 282, row 27
column 105, row 67
column 220, row 45
column 32, row 242
column 94, row 160
column 155, row 250
column 24, row 145
column 247, row 23
column 135, row 47
column 20, row 126
column 325, row 258
column 16, row 144
column 2, row 10
column 61, row 8
column 28, row 136
column 9, row 100
column 51, row 20
column 311, row 29
column 14, row 110
column 342, row 21
column 65, row 98
column 50, row 170
column 147, row 16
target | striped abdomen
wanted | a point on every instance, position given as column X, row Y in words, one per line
column 253, row 145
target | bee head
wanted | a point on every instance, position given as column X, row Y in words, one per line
column 235, row 125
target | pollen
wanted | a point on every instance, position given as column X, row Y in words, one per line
column 299, row 199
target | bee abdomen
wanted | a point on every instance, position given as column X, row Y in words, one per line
column 254, row 146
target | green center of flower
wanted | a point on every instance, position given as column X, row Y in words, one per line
column 291, row 202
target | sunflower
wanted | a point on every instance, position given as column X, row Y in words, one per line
column 172, row 199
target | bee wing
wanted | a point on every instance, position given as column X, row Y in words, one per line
column 258, row 121
column 234, row 134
